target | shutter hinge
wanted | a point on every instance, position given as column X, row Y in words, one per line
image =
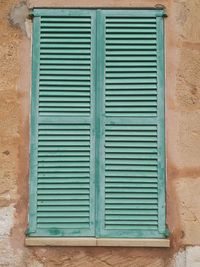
column 167, row 232
column 28, row 231
column 162, row 7
column 30, row 14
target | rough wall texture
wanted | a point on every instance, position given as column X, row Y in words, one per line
column 183, row 142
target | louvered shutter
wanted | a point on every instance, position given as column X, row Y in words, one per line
column 131, row 177
column 97, row 124
column 62, row 161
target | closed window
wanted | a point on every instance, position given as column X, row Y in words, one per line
column 97, row 165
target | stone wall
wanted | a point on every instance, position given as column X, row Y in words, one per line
column 182, row 30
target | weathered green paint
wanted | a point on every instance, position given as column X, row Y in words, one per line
column 120, row 208
column 135, row 13
column 81, row 104
column 63, row 131
column 161, row 127
column 34, row 127
column 100, row 121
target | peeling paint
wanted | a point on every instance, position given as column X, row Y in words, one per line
column 6, row 220
column 18, row 15
column 179, row 260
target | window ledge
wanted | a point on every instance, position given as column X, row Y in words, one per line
column 99, row 242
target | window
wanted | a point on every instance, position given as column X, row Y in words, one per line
column 97, row 124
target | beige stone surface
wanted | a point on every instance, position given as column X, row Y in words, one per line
column 6, row 220
column 33, row 263
column 188, row 80
column 193, row 256
column 95, row 242
column 10, row 257
column 187, row 15
column 96, row 3
column 187, row 146
column 105, row 257
column 178, row 260
column 188, row 191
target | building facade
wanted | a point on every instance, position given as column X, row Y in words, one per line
column 182, row 133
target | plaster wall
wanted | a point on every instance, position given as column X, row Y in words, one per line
column 182, row 31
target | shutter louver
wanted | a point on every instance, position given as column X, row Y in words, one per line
column 65, row 166
column 131, row 176
column 97, row 140
column 65, row 59
column 131, row 73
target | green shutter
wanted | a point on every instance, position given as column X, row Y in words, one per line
column 62, row 178
column 97, row 124
column 131, row 202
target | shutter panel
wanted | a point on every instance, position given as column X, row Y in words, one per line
column 62, row 178
column 97, row 139
column 132, row 167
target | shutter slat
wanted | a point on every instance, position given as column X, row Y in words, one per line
column 128, row 186
column 62, row 62
column 65, row 30
column 123, row 58
column 60, row 225
column 63, row 178
column 132, row 20
column 130, row 180
column 63, row 159
column 63, row 214
column 53, row 209
column 137, row 41
column 131, row 207
column 131, row 69
column 136, row 228
column 120, row 218
column 69, row 72
column 122, row 161
column 61, row 183
column 61, row 192
column 55, row 202
column 132, row 93
column 65, row 35
column 128, row 75
column 125, row 47
column 65, row 19
column 64, row 67
column 136, row 24
column 66, row 41
column 65, row 24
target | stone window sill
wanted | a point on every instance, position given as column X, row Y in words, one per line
column 96, row 242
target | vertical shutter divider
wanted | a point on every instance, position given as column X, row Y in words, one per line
column 161, row 126
column 34, row 127
column 99, row 121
